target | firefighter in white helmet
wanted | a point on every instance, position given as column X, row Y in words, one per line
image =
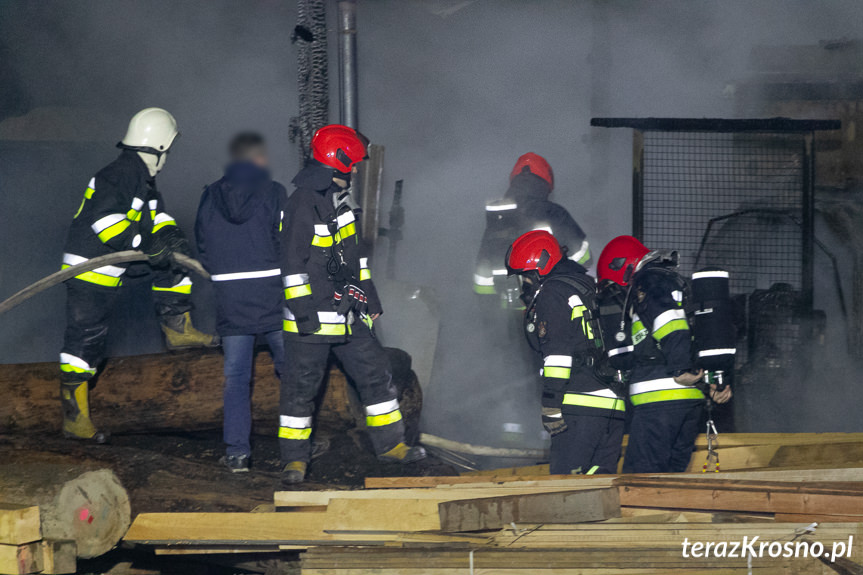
column 122, row 210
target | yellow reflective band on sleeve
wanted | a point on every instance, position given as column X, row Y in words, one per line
column 670, row 327
column 88, row 193
column 557, row 372
column 592, row 470
column 159, row 226
column 578, row 313
column 291, row 433
column 385, row 419
column 184, row 288
column 666, row 395
column 112, row 232
column 585, row 400
column 290, row 326
column 365, row 274
column 133, row 216
column 484, row 290
column 97, row 278
column 298, row 291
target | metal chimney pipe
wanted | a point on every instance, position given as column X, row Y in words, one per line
column 348, row 63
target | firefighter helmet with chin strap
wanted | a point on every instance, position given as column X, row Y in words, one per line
column 339, row 147
column 620, row 259
column 536, row 251
column 151, row 133
column 536, row 165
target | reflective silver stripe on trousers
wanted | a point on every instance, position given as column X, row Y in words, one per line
column 113, row 271
column 295, row 422
column 382, row 408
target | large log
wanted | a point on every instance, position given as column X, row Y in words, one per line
column 89, row 507
column 179, row 391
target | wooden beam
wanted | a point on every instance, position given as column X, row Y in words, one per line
column 228, row 529
column 299, row 499
column 19, row 524
column 21, row 559
column 59, row 557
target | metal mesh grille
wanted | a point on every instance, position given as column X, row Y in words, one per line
column 733, row 200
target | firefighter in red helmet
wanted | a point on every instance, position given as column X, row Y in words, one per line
column 584, row 417
column 331, row 306
column 524, row 207
column 662, row 387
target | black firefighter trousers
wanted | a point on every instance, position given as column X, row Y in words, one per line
column 88, row 313
column 662, row 436
column 365, row 362
column 591, row 444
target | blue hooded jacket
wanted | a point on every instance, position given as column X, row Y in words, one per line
column 239, row 231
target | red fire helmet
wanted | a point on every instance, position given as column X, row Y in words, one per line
column 534, row 251
column 536, row 165
column 339, row 147
column 618, row 260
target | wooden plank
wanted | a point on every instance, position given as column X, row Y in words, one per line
column 741, row 496
column 228, row 528
column 562, row 507
column 21, row 559
column 19, row 524
column 442, row 513
column 59, row 556
column 195, row 550
column 323, row 498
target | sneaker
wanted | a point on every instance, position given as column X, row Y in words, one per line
column 294, row 472
column 236, row 463
column 401, row 453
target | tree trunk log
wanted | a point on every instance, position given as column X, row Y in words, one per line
column 78, row 503
column 180, row 391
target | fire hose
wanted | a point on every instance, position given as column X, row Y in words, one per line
column 66, row 274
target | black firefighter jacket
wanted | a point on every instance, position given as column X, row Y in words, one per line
column 120, row 210
column 568, row 346
column 662, row 340
column 525, row 207
column 320, row 236
column 239, row 231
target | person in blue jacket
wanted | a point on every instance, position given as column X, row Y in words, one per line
column 239, row 231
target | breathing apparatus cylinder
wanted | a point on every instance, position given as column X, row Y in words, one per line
column 615, row 326
column 712, row 319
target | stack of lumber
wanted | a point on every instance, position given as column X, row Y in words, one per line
column 568, row 525
column 24, row 550
column 51, row 514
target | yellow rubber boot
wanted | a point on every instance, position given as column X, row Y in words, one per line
column 402, row 453
column 76, row 413
column 294, row 472
column 181, row 334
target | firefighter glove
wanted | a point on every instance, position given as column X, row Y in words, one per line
column 309, row 324
column 351, row 299
column 552, row 421
column 167, row 241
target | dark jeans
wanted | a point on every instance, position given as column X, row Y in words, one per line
column 590, row 444
column 662, row 436
column 239, row 353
